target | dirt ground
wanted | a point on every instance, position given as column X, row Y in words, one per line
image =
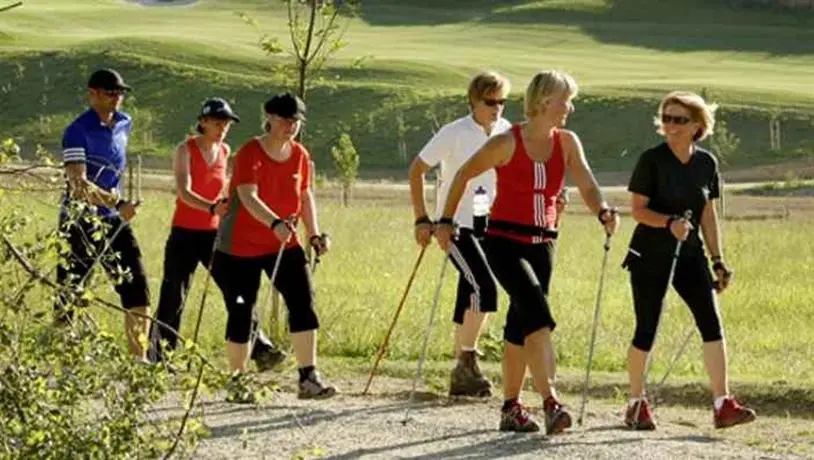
column 354, row 426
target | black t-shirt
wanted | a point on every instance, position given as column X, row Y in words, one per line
column 672, row 188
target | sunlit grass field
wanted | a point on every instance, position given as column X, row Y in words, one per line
column 625, row 54
column 767, row 313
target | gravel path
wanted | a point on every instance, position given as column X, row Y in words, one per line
column 352, row 426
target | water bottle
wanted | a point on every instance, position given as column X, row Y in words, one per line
column 480, row 211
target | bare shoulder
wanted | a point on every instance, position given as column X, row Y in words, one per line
column 569, row 138
column 181, row 148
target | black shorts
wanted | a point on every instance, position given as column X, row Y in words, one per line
column 133, row 289
column 524, row 271
column 476, row 285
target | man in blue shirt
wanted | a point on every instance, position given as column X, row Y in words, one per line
column 94, row 155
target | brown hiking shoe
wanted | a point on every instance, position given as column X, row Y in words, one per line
column 467, row 379
column 557, row 419
column 517, row 418
column 314, row 388
column 641, row 421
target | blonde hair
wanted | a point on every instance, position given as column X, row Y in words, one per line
column 543, row 86
column 485, row 83
column 700, row 112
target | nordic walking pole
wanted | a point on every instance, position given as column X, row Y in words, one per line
column 253, row 335
column 207, row 280
column 681, row 349
column 423, row 357
column 138, row 180
column 383, row 347
column 677, row 357
column 606, row 247
column 687, row 216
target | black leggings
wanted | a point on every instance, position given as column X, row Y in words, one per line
column 524, row 271
column 184, row 251
column 692, row 281
column 476, row 287
column 241, row 283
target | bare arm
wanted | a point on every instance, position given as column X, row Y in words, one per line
column 249, row 198
column 644, row 215
column 183, row 180
column 416, row 175
column 309, row 213
column 83, row 189
column 710, row 230
column 495, row 152
column 581, row 173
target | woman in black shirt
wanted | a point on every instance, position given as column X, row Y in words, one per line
column 670, row 179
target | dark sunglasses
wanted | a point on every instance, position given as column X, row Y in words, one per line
column 114, row 92
column 494, row 102
column 674, row 119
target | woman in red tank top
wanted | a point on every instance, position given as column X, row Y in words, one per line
column 200, row 169
column 530, row 160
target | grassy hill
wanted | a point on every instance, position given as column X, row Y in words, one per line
column 625, row 53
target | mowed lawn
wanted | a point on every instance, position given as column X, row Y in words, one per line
column 767, row 313
column 633, row 46
column 420, row 54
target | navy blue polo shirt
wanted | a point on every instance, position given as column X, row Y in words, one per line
column 102, row 148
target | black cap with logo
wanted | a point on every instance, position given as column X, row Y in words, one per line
column 286, row 105
column 107, row 79
column 218, row 108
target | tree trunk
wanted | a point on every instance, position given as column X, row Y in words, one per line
column 346, row 188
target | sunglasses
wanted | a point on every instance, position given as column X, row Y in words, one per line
column 675, row 119
column 114, row 92
column 494, row 102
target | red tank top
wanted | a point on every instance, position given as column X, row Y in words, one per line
column 208, row 182
column 527, row 191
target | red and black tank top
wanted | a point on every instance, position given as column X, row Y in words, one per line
column 208, row 182
column 525, row 207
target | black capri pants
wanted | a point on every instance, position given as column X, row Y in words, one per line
column 476, row 286
column 524, row 271
column 692, row 281
column 133, row 289
column 241, row 282
column 184, row 251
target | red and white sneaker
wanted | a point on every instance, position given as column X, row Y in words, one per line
column 732, row 413
column 644, row 420
column 557, row 419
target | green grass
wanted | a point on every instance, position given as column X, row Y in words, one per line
column 766, row 313
column 625, row 54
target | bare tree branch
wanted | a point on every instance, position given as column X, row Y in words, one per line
column 8, row 7
column 292, row 26
column 24, row 262
column 324, row 37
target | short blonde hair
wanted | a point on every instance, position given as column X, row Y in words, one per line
column 485, row 83
column 700, row 112
column 544, row 85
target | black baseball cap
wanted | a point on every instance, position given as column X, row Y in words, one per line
column 286, row 105
column 107, row 79
column 218, row 108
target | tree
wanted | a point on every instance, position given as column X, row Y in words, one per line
column 316, row 28
column 346, row 160
column 725, row 144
